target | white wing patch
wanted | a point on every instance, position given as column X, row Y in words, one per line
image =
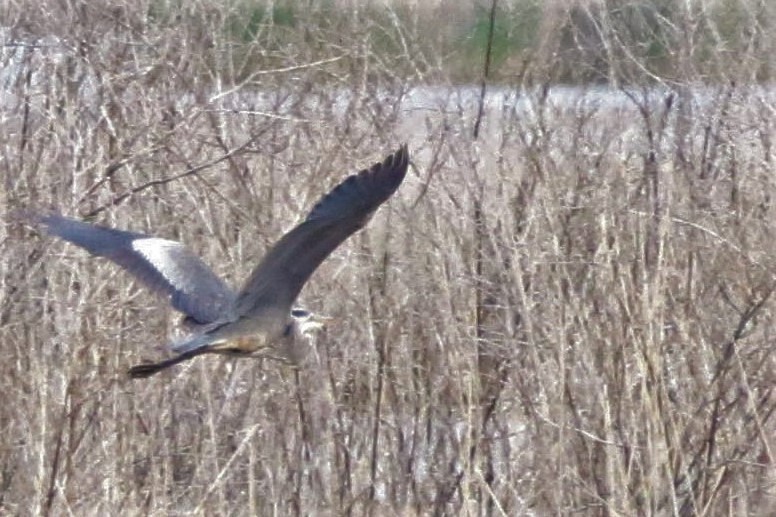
column 160, row 253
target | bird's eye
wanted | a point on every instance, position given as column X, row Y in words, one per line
column 287, row 330
column 300, row 313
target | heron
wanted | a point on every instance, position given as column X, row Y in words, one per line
column 260, row 319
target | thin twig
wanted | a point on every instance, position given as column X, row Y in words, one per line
column 155, row 183
column 486, row 69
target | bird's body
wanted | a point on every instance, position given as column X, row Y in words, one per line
column 258, row 319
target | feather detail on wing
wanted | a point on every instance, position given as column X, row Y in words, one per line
column 277, row 280
column 165, row 266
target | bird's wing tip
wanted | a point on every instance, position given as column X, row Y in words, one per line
column 399, row 162
column 403, row 152
column 30, row 215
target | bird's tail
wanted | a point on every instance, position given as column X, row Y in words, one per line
column 193, row 343
column 205, row 337
column 186, row 349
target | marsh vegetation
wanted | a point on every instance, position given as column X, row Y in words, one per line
column 566, row 308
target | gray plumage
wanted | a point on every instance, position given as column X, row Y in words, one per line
column 166, row 267
column 259, row 316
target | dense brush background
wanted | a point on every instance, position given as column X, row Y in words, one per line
column 566, row 309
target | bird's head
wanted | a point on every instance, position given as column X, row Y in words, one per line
column 305, row 323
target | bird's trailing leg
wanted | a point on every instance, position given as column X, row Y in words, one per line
column 241, row 347
column 144, row 370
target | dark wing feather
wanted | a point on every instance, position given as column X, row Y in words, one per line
column 348, row 207
column 165, row 266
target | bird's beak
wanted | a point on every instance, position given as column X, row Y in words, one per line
column 314, row 323
column 318, row 321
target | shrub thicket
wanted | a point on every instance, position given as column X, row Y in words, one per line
column 567, row 311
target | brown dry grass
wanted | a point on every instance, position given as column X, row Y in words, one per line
column 571, row 313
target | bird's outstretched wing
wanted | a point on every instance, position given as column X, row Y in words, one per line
column 276, row 282
column 165, row 266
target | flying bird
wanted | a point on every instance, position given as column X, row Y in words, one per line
column 259, row 319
